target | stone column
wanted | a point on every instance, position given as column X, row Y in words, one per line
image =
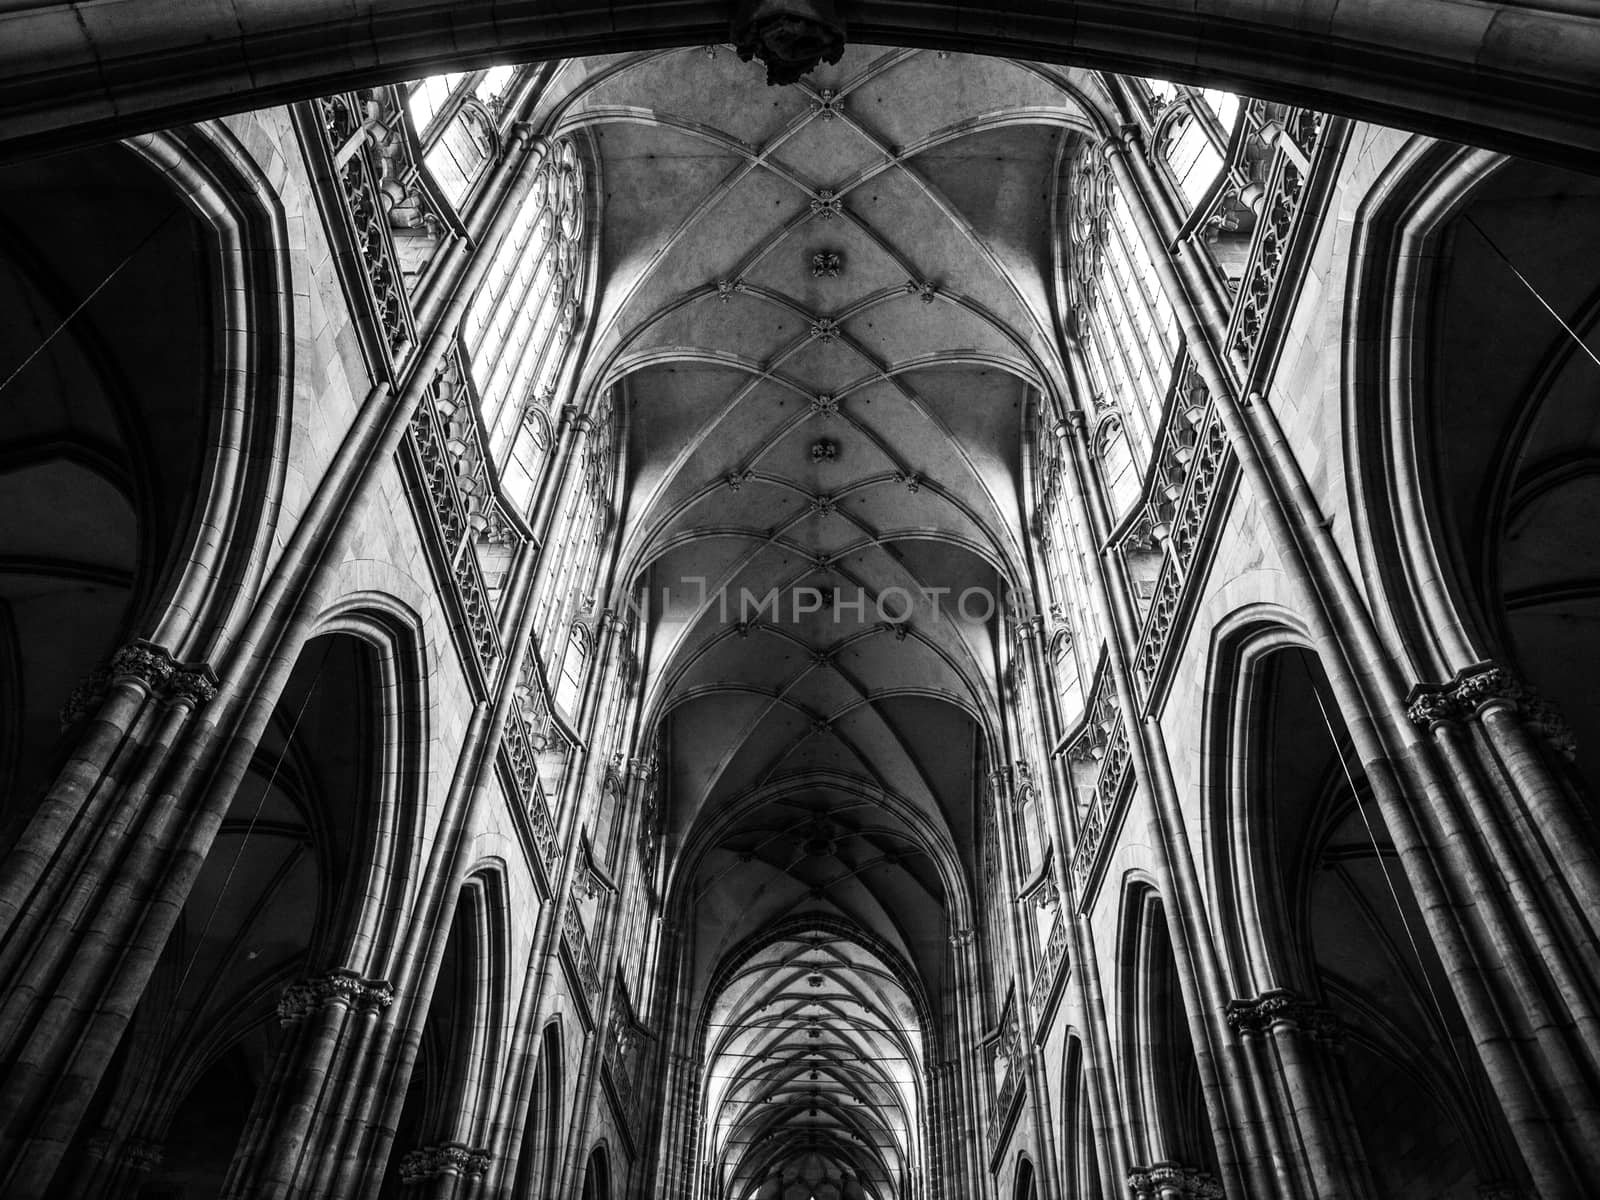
column 330, row 1019
column 1247, row 1159
column 77, row 889
column 1498, row 976
column 1530, row 850
column 1292, row 1048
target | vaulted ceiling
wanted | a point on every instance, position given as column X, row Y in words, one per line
column 827, row 311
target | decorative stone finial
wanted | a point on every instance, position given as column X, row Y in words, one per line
column 790, row 36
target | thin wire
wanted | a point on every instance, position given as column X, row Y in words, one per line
column 1501, row 255
column 261, row 801
column 84, row 303
column 1416, row 950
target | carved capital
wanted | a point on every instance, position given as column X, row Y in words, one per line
column 1482, row 687
column 452, row 1158
column 307, row 996
column 1477, row 687
column 194, row 685
column 143, row 661
column 790, row 37
column 85, row 697
column 1172, row 1181
column 150, row 665
column 141, row 1154
column 1428, row 707
column 1285, row 1009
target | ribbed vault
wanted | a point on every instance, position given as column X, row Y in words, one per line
column 825, row 312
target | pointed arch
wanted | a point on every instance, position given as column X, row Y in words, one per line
column 539, row 1155
column 1167, row 1115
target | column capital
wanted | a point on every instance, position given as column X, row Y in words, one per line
column 151, row 666
column 1172, row 1181
column 1285, row 1008
column 573, row 416
column 1480, row 689
column 306, row 996
column 142, row 1154
column 451, row 1158
column 1112, row 148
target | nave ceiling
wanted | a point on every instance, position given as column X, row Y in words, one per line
column 826, row 311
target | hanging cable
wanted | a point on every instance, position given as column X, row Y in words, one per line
column 1448, row 1042
column 84, row 303
column 1501, row 255
column 255, row 816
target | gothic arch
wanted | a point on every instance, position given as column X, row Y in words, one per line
column 1432, row 617
column 539, row 1153
column 1080, row 1134
column 1475, row 464
column 223, row 555
column 1258, row 945
column 280, row 903
column 446, row 1119
column 1023, row 1186
column 597, row 1182
column 1318, row 925
column 1168, row 1119
column 140, row 473
column 394, row 805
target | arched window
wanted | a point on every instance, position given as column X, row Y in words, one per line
column 1068, row 678
column 518, row 328
column 1030, row 828
column 1072, row 598
column 1192, row 128
column 1123, row 323
column 574, row 667
column 584, row 522
column 1115, row 459
column 455, row 117
column 462, row 150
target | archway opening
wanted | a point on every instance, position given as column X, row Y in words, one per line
column 106, row 361
column 1329, row 916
